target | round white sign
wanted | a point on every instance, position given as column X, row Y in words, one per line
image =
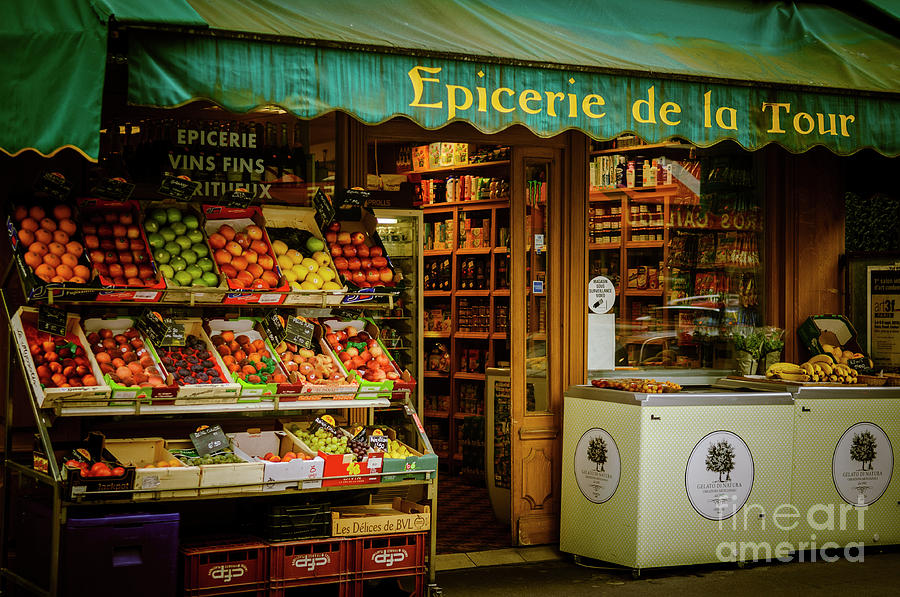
column 601, row 295
column 862, row 464
column 719, row 475
column 597, row 465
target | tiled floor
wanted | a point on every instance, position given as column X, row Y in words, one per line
column 466, row 522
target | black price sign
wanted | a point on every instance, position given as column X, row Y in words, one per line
column 178, row 188
column 53, row 184
column 273, row 327
column 52, row 320
column 299, row 332
column 210, row 440
column 320, row 423
column 355, row 198
column 162, row 331
column 380, row 443
column 239, row 198
column 324, row 209
column 117, row 189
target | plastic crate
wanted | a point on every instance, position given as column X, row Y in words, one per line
column 323, row 560
column 229, row 564
column 290, row 523
column 123, row 554
column 257, row 589
column 412, row 585
column 392, row 555
column 299, row 589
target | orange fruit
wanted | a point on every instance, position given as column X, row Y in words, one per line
column 21, row 213
column 174, row 462
column 162, row 464
column 52, row 260
column 69, row 259
column 78, row 280
column 75, row 248
column 48, row 224
column 26, row 237
column 60, row 237
column 62, row 212
column 30, row 224
column 58, row 280
column 38, row 248
column 43, row 236
column 82, row 271
column 56, row 248
column 33, row 259
column 45, row 272
column 37, row 213
column 68, row 226
column 64, row 271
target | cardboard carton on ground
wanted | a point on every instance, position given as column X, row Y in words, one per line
column 401, row 516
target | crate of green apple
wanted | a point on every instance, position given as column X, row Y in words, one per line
column 118, row 251
column 358, row 348
column 181, row 252
column 358, row 256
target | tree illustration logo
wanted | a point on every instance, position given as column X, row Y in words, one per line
column 863, row 449
column 720, row 459
column 597, row 452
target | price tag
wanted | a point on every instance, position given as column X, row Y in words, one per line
column 117, row 189
column 355, row 198
column 53, row 184
column 324, row 209
column 210, row 440
column 178, row 188
column 162, row 331
column 380, row 443
column 52, row 320
column 273, row 327
column 326, row 423
column 239, row 198
column 300, row 332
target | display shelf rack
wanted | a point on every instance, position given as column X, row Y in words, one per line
column 642, row 148
column 467, row 375
column 456, row 167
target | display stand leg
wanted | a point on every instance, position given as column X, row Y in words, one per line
column 7, row 477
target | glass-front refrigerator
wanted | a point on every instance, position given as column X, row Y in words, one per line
column 401, row 327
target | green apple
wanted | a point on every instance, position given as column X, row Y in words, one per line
column 183, row 278
column 199, row 282
column 189, row 256
column 159, row 216
column 166, row 270
column 315, row 244
column 200, row 249
column 191, row 221
column 183, row 242
column 172, row 247
column 195, row 235
column 173, row 214
column 151, row 225
column 178, row 228
column 168, row 234
column 161, row 256
column 156, row 240
column 205, row 263
column 210, row 278
column 194, row 271
column 178, row 264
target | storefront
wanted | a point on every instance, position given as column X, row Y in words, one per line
column 682, row 167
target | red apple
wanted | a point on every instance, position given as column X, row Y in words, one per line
column 362, row 251
column 366, row 263
column 134, row 282
column 217, row 241
column 119, row 231
column 335, row 226
column 107, row 244
column 101, row 268
column 349, row 251
column 336, row 251
column 372, row 276
column 386, row 274
column 358, row 238
column 376, row 252
column 358, row 278
column 242, row 239
column 116, row 270
column 379, row 261
column 331, row 237
column 234, row 248
column 121, row 243
column 221, row 256
column 133, row 232
column 228, row 269
column 145, row 271
column 91, row 241
column 135, row 244
column 259, row 246
column 270, row 278
column 343, row 238
column 266, row 261
column 97, row 256
column 226, row 231
column 125, row 257
column 353, row 264
column 126, row 219
column 259, row 284
column 340, row 263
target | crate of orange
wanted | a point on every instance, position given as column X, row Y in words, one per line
column 248, row 356
column 49, row 251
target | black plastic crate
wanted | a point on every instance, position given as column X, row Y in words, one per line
column 289, row 523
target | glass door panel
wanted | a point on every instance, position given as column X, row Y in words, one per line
column 536, row 278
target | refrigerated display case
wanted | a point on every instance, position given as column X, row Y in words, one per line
column 401, row 327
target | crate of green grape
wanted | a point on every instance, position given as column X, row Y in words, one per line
column 348, row 460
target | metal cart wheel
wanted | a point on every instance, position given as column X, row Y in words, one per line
column 635, row 573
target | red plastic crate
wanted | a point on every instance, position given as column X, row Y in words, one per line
column 359, row 588
column 291, row 588
column 229, row 564
column 392, row 554
column 257, row 589
column 324, row 560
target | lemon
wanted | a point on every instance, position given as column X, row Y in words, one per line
column 279, row 247
column 310, row 264
column 285, row 262
column 289, row 275
column 294, row 255
column 308, row 286
column 331, row 286
column 295, row 286
column 326, row 273
column 300, row 271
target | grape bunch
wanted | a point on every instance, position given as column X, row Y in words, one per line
column 325, row 441
column 359, row 448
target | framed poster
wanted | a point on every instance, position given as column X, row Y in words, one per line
column 883, row 315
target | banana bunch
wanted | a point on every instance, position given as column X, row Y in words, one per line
column 823, row 368
column 788, row 372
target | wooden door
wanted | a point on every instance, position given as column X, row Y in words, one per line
column 536, row 289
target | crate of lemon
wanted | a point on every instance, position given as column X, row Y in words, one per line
column 307, row 267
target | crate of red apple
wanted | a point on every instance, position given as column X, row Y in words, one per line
column 358, row 256
column 362, row 353
column 241, row 248
column 315, row 372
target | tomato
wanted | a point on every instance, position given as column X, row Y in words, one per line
column 73, row 463
column 118, row 471
column 99, row 468
column 268, row 456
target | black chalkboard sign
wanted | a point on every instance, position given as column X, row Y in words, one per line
column 380, row 443
column 273, row 327
column 52, row 320
column 239, row 198
column 300, row 332
column 321, row 423
column 117, row 189
column 53, row 184
column 355, row 198
column 210, row 440
column 178, row 188
column 324, row 209
column 162, row 331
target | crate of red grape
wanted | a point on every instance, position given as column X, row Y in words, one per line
column 645, row 386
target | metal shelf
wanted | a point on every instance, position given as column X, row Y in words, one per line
column 237, row 407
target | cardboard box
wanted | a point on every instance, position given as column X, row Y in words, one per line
column 278, row 476
column 302, row 218
column 215, row 477
column 835, row 331
column 401, row 516
column 126, row 395
column 76, row 487
column 171, row 481
column 420, row 158
column 113, row 293
column 406, row 468
column 239, row 219
column 222, row 393
column 246, row 326
column 26, row 317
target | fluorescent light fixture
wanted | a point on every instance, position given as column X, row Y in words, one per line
column 387, row 220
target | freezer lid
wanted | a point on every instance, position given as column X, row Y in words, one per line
column 813, row 392
column 705, row 397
